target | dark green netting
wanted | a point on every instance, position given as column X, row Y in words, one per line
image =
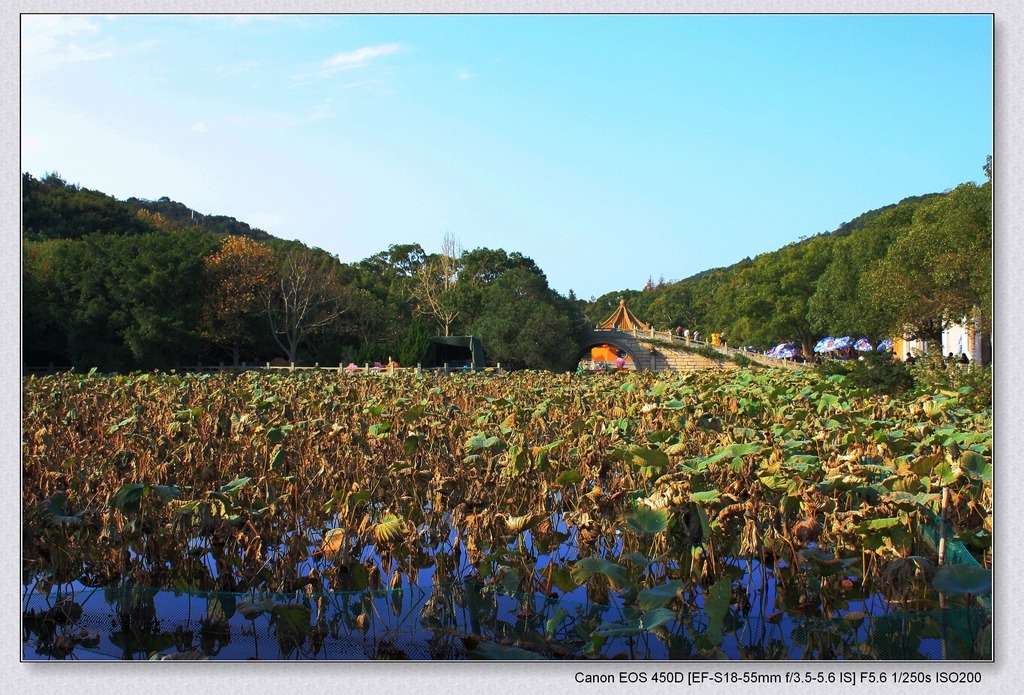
column 466, row 619
column 460, row 621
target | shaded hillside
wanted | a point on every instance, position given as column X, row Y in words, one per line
column 178, row 212
column 55, row 209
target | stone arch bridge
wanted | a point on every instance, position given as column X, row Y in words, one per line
column 660, row 350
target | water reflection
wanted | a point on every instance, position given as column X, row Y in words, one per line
column 460, row 620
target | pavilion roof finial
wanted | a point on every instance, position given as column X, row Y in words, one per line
column 624, row 319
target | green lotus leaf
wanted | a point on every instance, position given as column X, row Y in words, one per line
column 643, row 519
column 569, row 477
column 658, row 596
column 290, row 616
column 556, row 619
column 381, row 428
column 589, row 567
column 250, row 609
column 716, row 606
column 479, row 441
column 705, row 496
column 411, row 445
column 973, row 462
column 391, row 527
column 55, row 512
column 234, row 486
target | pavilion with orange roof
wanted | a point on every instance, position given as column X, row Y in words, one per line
column 624, row 320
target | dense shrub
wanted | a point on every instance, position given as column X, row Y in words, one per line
column 972, row 382
column 873, row 370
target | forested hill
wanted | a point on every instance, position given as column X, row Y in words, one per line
column 123, row 285
column 55, row 209
column 858, row 222
column 139, row 284
column 845, row 229
column 906, row 269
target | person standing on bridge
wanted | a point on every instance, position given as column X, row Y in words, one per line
column 686, row 336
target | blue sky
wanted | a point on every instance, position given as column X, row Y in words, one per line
column 608, row 148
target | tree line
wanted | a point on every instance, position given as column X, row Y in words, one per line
column 126, row 285
column 137, row 284
column 909, row 269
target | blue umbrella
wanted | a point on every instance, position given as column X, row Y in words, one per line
column 784, row 350
column 820, row 345
column 842, row 343
column 885, row 345
column 862, row 345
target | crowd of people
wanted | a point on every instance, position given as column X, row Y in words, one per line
column 950, row 360
column 685, row 334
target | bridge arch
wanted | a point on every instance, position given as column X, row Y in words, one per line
column 619, row 340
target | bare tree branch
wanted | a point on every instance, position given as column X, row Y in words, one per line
column 305, row 298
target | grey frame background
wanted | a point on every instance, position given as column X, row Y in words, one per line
column 508, row 678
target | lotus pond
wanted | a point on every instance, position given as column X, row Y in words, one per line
column 743, row 515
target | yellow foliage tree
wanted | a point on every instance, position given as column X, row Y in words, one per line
column 236, row 279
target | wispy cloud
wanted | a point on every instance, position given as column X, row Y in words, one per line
column 463, row 75
column 349, row 60
column 41, row 32
column 47, row 41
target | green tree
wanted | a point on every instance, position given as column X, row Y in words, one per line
column 414, row 347
column 766, row 301
column 134, row 301
column 939, row 271
column 674, row 306
column 52, row 209
column 843, row 302
column 44, row 303
column 525, row 324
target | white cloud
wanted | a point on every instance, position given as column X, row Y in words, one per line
column 200, row 128
column 350, row 60
column 42, row 32
column 463, row 74
column 76, row 54
column 48, row 41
